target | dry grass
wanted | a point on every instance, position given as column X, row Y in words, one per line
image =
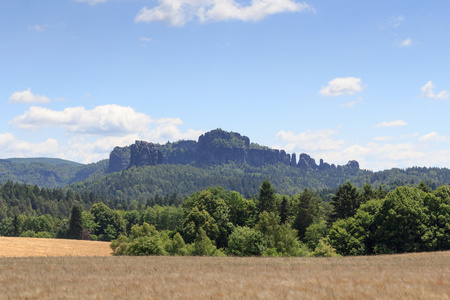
column 412, row 276
column 22, row 247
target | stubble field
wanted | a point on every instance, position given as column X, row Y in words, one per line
column 410, row 276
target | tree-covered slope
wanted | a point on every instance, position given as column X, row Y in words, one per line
column 142, row 183
column 47, row 172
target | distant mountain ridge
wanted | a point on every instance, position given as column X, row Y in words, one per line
column 213, row 148
column 53, row 161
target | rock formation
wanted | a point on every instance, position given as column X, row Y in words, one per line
column 119, row 159
column 145, row 154
column 214, row 147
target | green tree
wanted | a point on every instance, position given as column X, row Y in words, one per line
column 266, row 198
column 314, row 233
column 402, row 222
column 16, row 224
column 284, row 210
column 346, row 201
column 438, row 207
column 203, row 246
column 280, row 238
column 197, row 220
column 109, row 223
column 76, row 223
column 246, row 241
column 308, row 209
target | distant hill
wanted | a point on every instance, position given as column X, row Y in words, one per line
column 52, row 161
column 48, row 172
column 218, row 158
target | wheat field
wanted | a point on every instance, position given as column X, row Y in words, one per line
column 23, row 247
column 408, row 276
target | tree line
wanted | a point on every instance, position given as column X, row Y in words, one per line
column 216, row 221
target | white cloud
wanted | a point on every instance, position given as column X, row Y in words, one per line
column 179, row 12
column 11, row 146
column 27, row 97
column 342, row 86
column 391, row 124
column 92, row 133
column 145, row 39
column 427, row 92
column 432, row 137
column 102, row 120
column 406, row 43
column 91, row 2
column 313, row 140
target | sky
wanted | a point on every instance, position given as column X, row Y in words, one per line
column 338, row 80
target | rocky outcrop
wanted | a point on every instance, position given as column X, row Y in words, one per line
column 305, row 162
column 214, row 147
column 145, row 154
column 119, row 159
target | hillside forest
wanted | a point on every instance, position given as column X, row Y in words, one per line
column 350, row 220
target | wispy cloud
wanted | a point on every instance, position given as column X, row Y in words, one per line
column 351, row 103
column 180, row 12
column 433, row 137
column 342, row 86
column 391, row 124
column 27, row 97
column 428, row 92
column 406, row 43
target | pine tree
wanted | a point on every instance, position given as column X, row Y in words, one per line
column 76, row 223
column 267, row 201
column 346, row 201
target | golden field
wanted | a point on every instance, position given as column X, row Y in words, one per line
column 22, row 247
column 409, row 276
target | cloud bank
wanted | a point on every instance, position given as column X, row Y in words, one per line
column 92, row 133
column 180, row 12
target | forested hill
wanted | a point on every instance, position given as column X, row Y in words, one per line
column 48, row 172
column 219, row 158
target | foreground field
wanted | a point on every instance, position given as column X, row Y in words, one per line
column 412, row 276
column 22, row 247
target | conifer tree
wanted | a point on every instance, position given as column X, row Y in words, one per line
column 267, row 201
column 76, row 223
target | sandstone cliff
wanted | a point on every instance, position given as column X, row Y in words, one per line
column 214, row 147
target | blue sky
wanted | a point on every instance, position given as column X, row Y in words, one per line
column 338, row 80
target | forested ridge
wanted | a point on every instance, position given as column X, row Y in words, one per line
column 142, row 183
column 48, row 172
column 216, row 221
